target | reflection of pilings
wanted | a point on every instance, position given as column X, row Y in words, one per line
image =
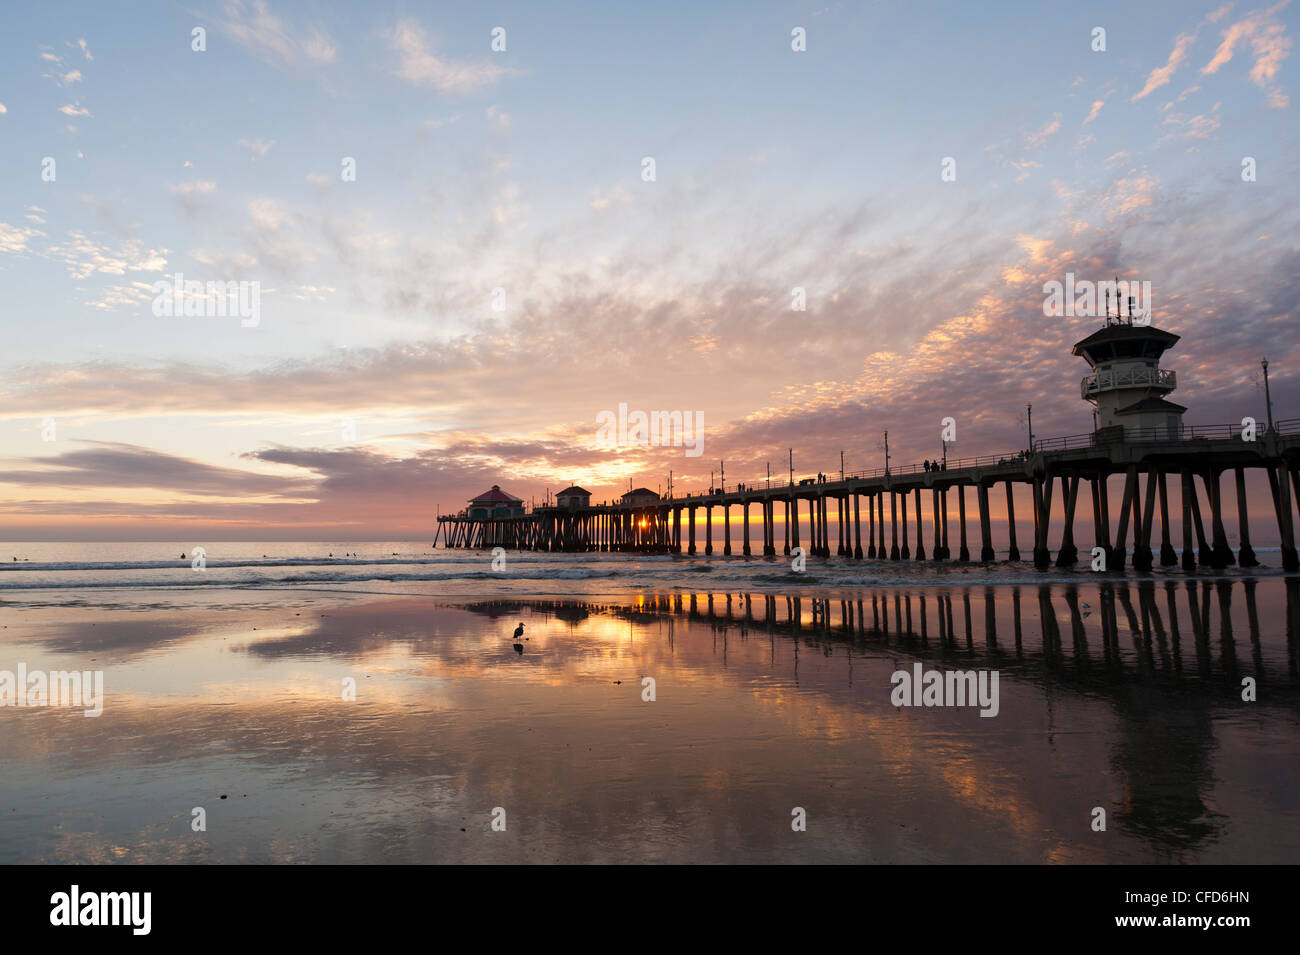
column 965, row 603
column 1199, row 635
column 1292, row 624
column 1051, row 630
column 1252, row 625
column 1078, row 633
column 1015, row 612
column 1227, row 644
column 1151, row 655
column 990, row 619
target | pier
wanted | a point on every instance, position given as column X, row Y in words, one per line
column 1140, row 439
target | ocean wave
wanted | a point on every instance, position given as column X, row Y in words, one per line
column 201, row 580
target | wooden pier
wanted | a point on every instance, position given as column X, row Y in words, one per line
column 1140, row 436
column 1198, row 459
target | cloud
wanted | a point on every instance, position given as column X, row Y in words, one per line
column 14, row 238
column 74, row 109
column 318, row 47
column 253, row 26
column 85, row 256
column 65, row 79
column 1037, row 140
column 419, row 65
column 114, row 465
column 257, row 147
column 1269, row 46
column 1162, row 75
column 199, row 187
column 190, row 195
column 601, row 201
column 3, row 109
column 1096, row 108
column 1203, row 126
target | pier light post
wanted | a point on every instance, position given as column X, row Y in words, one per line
column 1029, row 412
column 1268, row 400
column 886, row 452
column 792, row 467
column 841, row 467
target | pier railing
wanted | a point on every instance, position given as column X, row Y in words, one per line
column 1140, row 377
column 1093, row 439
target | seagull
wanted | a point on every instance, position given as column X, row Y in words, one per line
column 1086, row 608
column 519, row 631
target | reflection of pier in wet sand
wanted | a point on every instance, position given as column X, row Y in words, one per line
column 1168, row 657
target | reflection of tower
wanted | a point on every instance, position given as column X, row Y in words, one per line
column 1127, row 385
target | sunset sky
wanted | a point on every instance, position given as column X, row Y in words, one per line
column 380, row 384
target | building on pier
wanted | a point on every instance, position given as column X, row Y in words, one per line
column 1127, row 384
column 640, row 497
column 573, row 498
column 495, row 504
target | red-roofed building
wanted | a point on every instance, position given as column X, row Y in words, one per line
column 495, row 503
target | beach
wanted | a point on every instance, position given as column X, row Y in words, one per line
column 382, row 710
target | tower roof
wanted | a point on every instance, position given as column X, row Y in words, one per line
column 570, row 491
column 1124, row 341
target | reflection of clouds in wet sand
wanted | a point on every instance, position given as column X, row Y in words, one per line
column 751, row 718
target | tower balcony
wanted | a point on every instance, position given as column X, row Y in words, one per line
column 1122, row 378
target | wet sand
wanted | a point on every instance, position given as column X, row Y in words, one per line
column 1125, row 697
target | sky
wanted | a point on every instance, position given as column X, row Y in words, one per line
column 461, row 258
